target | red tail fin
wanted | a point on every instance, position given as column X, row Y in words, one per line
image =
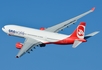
column 79, row 31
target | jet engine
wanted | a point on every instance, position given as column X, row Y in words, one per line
column 42, row 28
column 19, row 45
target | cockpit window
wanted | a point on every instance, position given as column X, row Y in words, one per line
column 4, row 27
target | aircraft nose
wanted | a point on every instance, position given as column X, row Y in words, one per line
column 4, row 29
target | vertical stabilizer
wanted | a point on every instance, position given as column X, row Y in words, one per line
column 79, row 31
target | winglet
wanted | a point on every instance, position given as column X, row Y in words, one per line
column 93, row 9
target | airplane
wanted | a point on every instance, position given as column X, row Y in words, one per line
column 41, row 37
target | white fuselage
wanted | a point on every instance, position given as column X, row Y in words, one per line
column 40, row 35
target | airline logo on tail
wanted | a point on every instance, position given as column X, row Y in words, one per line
column 81, row 30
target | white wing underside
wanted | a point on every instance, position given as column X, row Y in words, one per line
column 28, row 45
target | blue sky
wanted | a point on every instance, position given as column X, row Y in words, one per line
column 45, row 13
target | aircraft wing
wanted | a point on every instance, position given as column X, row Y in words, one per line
column 67, row 23
column 27, row 46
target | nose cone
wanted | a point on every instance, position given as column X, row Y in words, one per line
column 4, row 29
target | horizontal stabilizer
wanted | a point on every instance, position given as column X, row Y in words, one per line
column 76, row 43
column 91, row 34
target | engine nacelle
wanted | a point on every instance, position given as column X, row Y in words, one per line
column 19, row 45
column 42, row 28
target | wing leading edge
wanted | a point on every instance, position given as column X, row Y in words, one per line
column 61, row 26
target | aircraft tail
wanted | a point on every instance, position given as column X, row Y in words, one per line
column 79, row 31
column 78, row 34
column 78, row 41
